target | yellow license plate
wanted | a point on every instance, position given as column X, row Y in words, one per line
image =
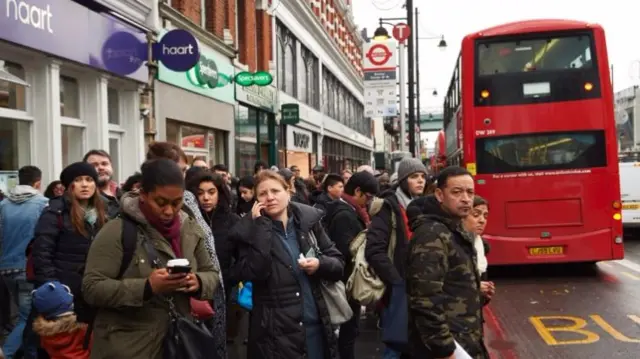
column 546, row 251
column 631, row 206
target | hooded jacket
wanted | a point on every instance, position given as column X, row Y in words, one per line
column 19, row 214
column 129, row 324
column 443, row 284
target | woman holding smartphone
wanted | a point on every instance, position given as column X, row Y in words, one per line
column 133, row 305
column 290, row 318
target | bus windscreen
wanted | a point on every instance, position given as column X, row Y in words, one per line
column 536, row 54
column 536, row 68
column 541, row 152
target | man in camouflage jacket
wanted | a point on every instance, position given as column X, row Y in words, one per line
column 443, row 283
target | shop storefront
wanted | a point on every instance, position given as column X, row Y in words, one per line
column 196, row 108
column 57, row 99
column 338, row 155
column 255, row 128
column 300, row 149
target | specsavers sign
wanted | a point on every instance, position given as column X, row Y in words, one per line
column 212, row 76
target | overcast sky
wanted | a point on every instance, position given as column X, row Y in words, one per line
column 456, row 18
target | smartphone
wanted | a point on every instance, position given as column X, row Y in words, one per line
column 181, row 265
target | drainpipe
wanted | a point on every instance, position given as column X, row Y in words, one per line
column 147, row 96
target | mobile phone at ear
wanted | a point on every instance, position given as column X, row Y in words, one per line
column 263, row 212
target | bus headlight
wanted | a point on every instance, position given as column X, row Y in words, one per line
column 618, row 240
column 617, row 216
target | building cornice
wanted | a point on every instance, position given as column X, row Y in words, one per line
column 135, row 10
column 203, row 36
column 305, row 15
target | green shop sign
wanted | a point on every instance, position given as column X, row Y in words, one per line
column 260, row 78
column 211, row 77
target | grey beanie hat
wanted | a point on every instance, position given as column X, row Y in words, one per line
column 409, row 166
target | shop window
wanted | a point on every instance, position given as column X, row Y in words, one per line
column 15, row 143
column 72, row 144
column 245, row 124
column 193, row 137
column 217, row 147
column 173, row 131
column 113, row 100
column 69, row 97
column 12, row 95
column 114, row 152
column 246, row 157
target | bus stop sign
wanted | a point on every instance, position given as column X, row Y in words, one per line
column 401, row 32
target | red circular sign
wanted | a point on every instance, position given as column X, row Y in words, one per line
column 401, row 32
column 379, row 54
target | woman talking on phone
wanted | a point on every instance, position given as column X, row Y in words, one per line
column 133, row 299
column 290, row 318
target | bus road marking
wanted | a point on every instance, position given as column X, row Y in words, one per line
column 578, row 326
column 632, row 276
column 629, row 264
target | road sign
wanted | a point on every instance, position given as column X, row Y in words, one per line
column 379, row 55
column 380, row 101
column 401, row 32
column 380, row 78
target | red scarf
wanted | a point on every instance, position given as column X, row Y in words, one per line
column 168, row 230
column 361, row 211
column 405, row 220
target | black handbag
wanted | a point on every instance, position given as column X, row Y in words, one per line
column 186, row 338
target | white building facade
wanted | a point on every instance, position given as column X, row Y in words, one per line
column 317, row 68
column 61, row 94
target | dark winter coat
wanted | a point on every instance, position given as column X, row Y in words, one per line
column 276, row 326
column 221, row 223
column 378, row 236
column 443, row 284
column 60, row 253
column 343, row 225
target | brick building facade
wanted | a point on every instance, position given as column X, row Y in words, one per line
column 339, row 23
column 248, row 26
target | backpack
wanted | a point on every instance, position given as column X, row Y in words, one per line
column 363, row 284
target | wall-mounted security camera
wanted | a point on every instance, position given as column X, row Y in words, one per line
column 145, row 112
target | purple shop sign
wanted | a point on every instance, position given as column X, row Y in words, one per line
column 68, row 30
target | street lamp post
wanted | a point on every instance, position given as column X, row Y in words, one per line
column 413, row 83
column 412, row 72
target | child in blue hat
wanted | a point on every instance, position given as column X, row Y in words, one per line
column 60, row 333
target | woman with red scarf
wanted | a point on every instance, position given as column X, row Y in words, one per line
column 132, row 308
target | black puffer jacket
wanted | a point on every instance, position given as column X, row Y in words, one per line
column 343, row 224
column 221, row 223
column 378, row 236
column 59, row 252
column 275, row 328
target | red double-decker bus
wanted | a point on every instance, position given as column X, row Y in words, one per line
column 530, row 113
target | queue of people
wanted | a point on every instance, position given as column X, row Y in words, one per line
column 153, row 268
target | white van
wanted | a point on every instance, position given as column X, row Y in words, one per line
column 630, row 193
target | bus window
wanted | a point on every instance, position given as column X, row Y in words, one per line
column 560, row 67
column 541, row 151
column 538, row 54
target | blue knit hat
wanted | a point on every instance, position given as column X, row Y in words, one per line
column 53, row 300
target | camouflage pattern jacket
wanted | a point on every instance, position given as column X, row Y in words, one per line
column 443, row 285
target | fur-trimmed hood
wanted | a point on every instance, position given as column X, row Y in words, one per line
column 66, row 324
